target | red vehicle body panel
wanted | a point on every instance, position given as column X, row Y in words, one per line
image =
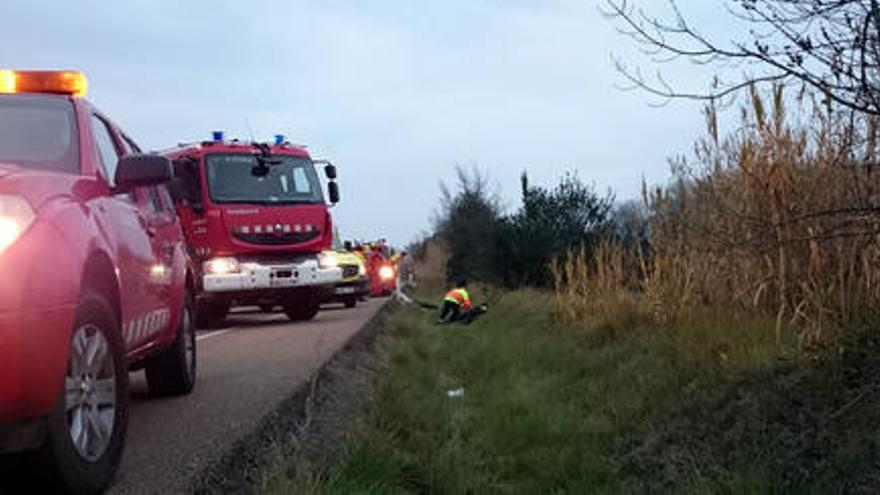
column 79, row 222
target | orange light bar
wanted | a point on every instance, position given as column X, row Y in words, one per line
column 43, row 81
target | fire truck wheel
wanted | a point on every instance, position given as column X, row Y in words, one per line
column 303, row 310
column 350, row 301
column 173, row 372
column 210, row 314
column 87, row 428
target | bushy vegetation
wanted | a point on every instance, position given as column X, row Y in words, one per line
column 516, row 249
column 779, row 217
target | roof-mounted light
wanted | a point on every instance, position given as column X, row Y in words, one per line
column 217, row 136
column 279, row 139
column 62, row 82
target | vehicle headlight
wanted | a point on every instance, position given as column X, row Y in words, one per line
column 328, row 260
column 221, row 266
column 16, row 216
column 386, row 272
column 362, row 270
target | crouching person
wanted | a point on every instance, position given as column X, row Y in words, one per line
column 457, row 306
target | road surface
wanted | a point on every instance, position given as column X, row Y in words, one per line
column 244, row 372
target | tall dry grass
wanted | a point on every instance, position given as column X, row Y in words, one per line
column 778, row 217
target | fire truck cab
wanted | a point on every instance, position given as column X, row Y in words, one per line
column 257, row 225
column 96, row 281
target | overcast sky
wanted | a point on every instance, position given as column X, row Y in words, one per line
column 396, row 93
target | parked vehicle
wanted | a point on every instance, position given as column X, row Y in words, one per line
column 354, row 284
column 256, row 222
column 96, row 280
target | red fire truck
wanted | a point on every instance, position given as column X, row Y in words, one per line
column 257, row 224
column 96, row 281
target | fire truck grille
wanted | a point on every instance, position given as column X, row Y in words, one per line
column 349, row 271
column 278, row 239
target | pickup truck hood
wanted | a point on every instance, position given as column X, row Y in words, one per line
column 39, row 186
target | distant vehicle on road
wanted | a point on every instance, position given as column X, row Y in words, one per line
column 354, row 283
column 96, row 281
column 256, row 222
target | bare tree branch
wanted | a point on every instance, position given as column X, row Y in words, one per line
column 832, row 46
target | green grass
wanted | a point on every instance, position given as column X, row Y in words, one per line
column 553, row 409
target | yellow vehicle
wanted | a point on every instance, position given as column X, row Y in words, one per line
column 354, row 283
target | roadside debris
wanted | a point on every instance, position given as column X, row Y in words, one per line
column 455, row 392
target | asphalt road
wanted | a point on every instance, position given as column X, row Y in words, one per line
column 245, row 371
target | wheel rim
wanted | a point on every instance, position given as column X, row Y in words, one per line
column 189, row 342
column 90, row 392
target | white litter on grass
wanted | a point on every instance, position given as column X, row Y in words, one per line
column 455, row 392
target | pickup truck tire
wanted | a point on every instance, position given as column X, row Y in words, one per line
column 210, row 314
column 86, row 430
column 303, row 310
column 173, row 372
column 350, row 301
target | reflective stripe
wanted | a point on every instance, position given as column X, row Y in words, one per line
column 139, row 329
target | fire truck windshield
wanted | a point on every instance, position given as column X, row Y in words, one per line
column 240, row 178
column 38, row 132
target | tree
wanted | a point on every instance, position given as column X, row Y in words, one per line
column 468, row 224
column 549, row 223
column 832, row 46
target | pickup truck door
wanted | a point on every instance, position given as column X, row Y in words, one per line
column 127, row 227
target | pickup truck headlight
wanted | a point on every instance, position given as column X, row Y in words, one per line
column 328, row 260
column 362, row 270
column 16, row 216
column 221, row 266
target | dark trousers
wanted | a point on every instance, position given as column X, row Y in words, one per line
column 449, row 312
column 452, row 312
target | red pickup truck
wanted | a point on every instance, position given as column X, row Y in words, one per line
column 96, row 281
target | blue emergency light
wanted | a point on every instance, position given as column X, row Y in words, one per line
column 217, row 136
column 279, row 139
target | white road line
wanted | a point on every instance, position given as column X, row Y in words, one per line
column 211, row 334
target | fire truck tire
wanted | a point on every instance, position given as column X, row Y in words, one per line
column 303, row 310
column 71, row 461
column 350, row 301
column 211, row 314
column 173, row 372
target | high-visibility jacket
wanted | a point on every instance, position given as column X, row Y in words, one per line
column 459, row 297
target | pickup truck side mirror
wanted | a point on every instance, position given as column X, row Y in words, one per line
column 333, row 189
column 142, row 170
column 184, row 189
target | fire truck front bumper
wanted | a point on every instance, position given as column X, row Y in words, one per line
column 227, row 275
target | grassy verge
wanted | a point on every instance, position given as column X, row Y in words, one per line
column 703, row 407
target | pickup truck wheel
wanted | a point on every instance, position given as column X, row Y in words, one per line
column 210, row 314
column 303, row 310
column 350, row 301
column 87, row 428
column 173, row 372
